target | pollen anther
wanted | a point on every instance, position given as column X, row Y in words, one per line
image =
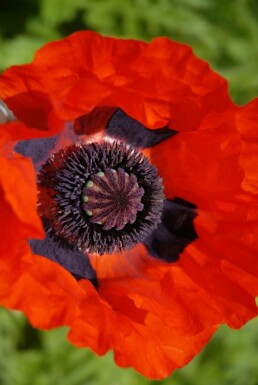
column 89, row 183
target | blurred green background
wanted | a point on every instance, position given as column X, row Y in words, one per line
column 223, row 32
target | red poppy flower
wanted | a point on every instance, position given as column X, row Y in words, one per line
column 102, row 249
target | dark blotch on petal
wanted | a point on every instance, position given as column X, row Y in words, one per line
column 36, row 149
column 123, row 127
column 175, row 231
column 94, row 121
column 76, row 262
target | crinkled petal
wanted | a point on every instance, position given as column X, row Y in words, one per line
column 160, row 83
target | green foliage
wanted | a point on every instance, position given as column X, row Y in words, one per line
column 222, row 32
column 31, row 357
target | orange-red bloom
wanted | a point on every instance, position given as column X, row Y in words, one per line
column 157, row 304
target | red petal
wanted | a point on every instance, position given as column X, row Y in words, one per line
column 19, row 189
column 158, row 83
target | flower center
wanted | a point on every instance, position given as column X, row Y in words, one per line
column 112, row 198
column 99, row 197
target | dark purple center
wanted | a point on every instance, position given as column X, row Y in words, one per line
column 112, row 198
column 70, row 231
column 100, row 197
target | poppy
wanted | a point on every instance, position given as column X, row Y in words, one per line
column 129, row 207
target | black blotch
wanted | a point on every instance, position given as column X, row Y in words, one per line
column 123, row 127
column 76, row 262
column 36, row 149
column 175, row 231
